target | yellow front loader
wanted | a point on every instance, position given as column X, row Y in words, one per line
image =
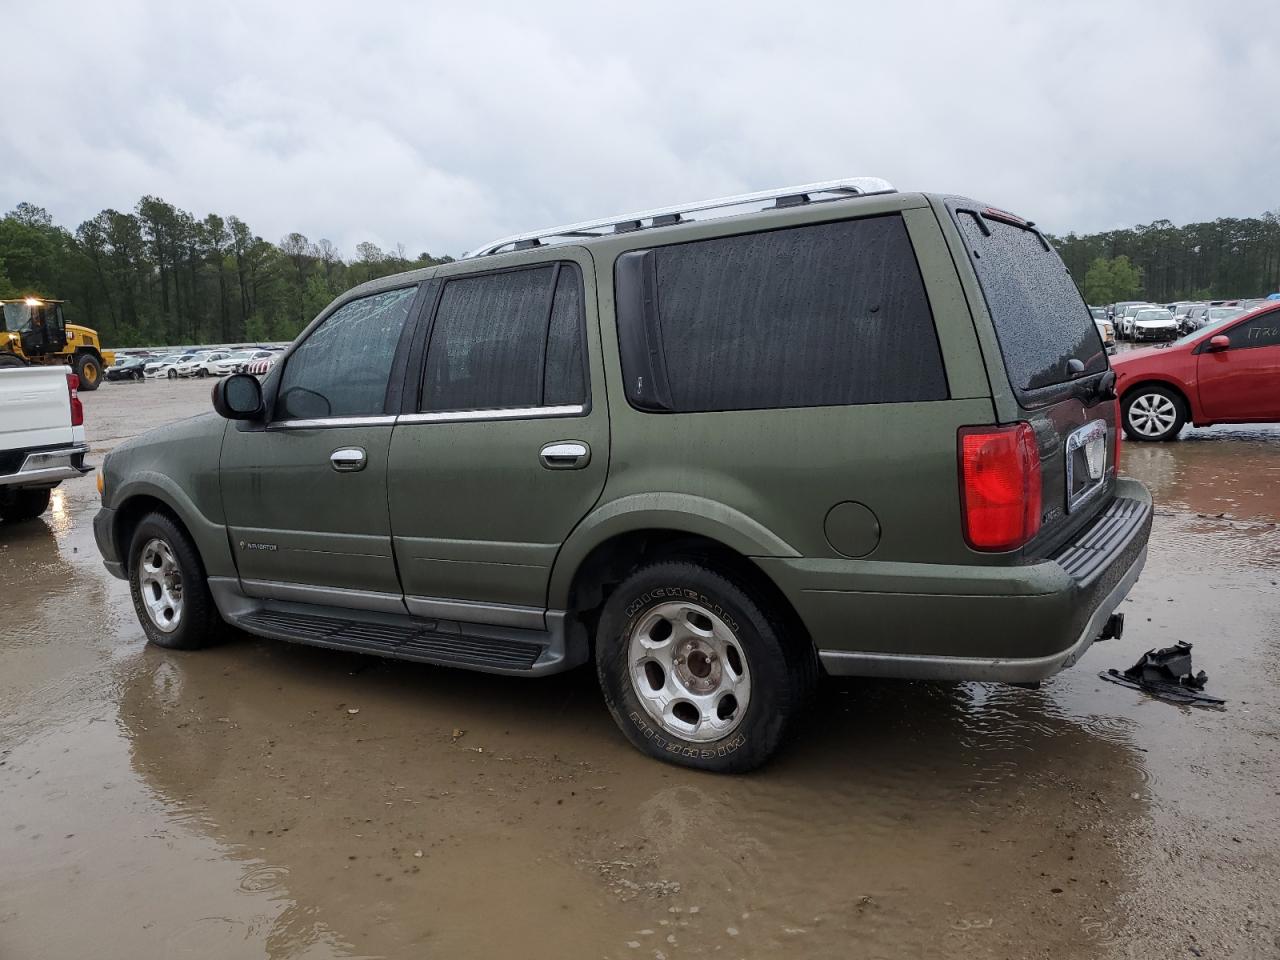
column 35, row 333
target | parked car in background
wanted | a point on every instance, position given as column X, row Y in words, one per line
column 1116, row 310
column 261, row 366
column 893, row 498
column 165, row 366
column 42, row 440
column 1226, row 372
column 1124, row 327
column 1180, row 311
column 1154, row 324
column 1106, row 330
column 127, row 368
column 236, row 362
column 1218, row 314
column 195, row 366
column 1194, row 318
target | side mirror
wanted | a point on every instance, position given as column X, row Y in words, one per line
column 238, row 397
column 1220, row 342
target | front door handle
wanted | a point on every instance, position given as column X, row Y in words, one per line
column 348, row 459
column 565, row 455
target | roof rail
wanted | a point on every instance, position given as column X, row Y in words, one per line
column 666, row 216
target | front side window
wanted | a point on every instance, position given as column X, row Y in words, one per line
column 507, row 340
column 342, row 368
column 819, row 315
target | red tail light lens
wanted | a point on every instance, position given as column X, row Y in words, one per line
column 999, row 486
column 77, row 408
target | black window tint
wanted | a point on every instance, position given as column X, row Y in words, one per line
column 565, row 382
column 1041, row 320
column 487, row 342
column 820, row 315
column 342, row 368
column 1263, row 331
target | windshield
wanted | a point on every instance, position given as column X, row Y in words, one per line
column 1223, row 313
column 1153, row 315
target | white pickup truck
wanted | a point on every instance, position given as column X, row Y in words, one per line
column 41, row 437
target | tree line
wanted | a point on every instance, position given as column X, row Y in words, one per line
column 1160, row 262
column 157, row 275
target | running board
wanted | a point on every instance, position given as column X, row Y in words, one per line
column 472, row 646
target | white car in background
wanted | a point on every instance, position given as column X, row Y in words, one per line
column 1155, row 323
column 1124, row 322
column 165, row 366
column 233, row 362
column 198, row 365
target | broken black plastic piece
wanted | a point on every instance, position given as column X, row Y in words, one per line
column 1167, row 674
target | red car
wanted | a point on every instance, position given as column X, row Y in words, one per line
column 1228, row 372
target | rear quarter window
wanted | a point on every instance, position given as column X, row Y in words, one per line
column 1040, row 318
column 819, row 315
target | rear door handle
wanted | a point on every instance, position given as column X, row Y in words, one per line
column 565, row 455
column 348, row 459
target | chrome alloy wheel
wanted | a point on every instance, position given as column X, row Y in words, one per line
column 1152, row 414
column 689, row 672
column 160, row 585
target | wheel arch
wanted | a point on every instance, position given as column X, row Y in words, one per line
column 611, row 560
column 141, row 498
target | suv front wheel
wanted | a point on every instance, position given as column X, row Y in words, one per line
column 168, row 587
column 695, row 672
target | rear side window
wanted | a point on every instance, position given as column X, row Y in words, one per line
column 509, row 339
column 342, row 368
column 1040, row 318
column 827, row 314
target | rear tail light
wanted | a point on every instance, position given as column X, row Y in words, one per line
column 77, row 408
column 999, row 486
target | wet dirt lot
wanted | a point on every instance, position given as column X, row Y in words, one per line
column 267, row 800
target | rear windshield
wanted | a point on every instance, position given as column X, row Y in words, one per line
column 1040, row 318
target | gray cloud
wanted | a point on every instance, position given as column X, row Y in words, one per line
column 441, row 127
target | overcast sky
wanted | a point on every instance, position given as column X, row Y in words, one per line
column 444, row 126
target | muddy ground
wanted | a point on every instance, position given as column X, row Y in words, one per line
column 263, row 799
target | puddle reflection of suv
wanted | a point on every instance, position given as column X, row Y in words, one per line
column 715, row 452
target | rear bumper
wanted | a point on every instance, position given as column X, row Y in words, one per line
column 1017, row 624
column 46, row 467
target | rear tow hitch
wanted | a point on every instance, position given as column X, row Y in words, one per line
column 1167, row 674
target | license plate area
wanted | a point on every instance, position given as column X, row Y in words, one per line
column 1086, row 453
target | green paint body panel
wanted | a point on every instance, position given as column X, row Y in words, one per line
column 464, row 510
column 292, row 518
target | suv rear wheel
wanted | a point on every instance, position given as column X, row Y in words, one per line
column 167, row 584
column 1153, row 413
column 695, row 672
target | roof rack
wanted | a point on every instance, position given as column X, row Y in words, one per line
column 667, row 216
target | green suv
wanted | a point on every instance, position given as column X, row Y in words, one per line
column 717, row 449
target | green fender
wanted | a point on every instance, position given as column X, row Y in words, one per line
column 680, row 512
